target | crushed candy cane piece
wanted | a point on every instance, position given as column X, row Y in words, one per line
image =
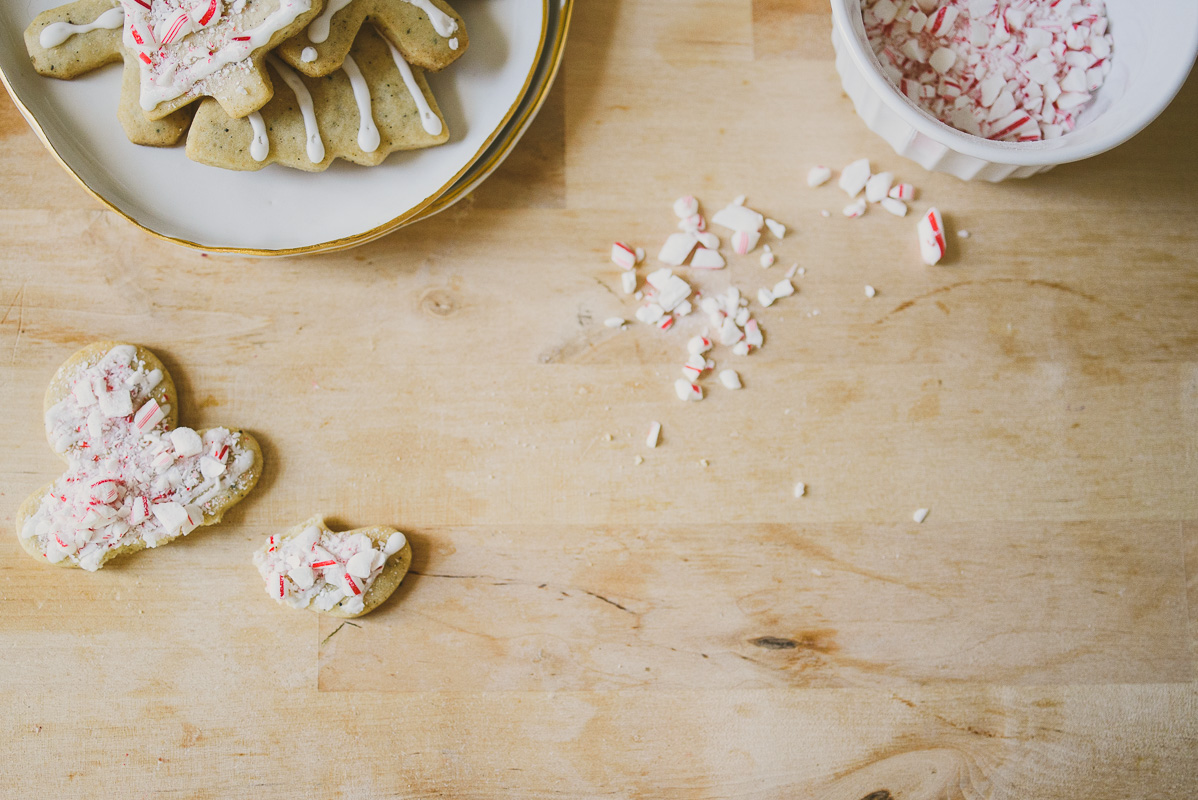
column 854, row 210
column 628, row 282
column 855, row 176
column 687, row 391
column 148, row 416
column 783, row 288
column 730, row 379
column 676, row 249
column 650, row 313
column 729, row 333
column 870, row 291
column 767, row 259
column 654, row 434
column 800, row 489
column 920, row 515
column 743, row 242
column 698, row 345
column 878, row 186
column 776, row 228
column 685, row 207
column 932, row 244
column 739, row 218
column 694, row 367
column 623, row 256
column 753, row 336
column 818, row 176
column 902, row 191
column 896, row 207
column 705, row 258
column 614, row 322
column 186, row 442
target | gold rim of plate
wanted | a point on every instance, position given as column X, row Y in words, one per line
column 517, row 131
column 344, row 243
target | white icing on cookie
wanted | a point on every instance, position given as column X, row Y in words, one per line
column 443, row 24
column 56, row 33
column 307, row 109
column 260, row 147
column 129, row 480
column 368, row 132
column 204, row 38
column 308, row 55
column 318, row 31
column 430, row 121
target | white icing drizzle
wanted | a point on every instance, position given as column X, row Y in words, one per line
column 304, row 98
column 56, row 33
column 318, row 31
column 260, row 147
column 453, row 43
column 443, row 24
column 308, row 55
column 368, row 132
column 172, row 70
column 430, row 121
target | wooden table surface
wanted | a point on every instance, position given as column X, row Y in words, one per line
column 578, row 624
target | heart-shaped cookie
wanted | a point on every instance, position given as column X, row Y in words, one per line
column 134, row 479
column 345, row 574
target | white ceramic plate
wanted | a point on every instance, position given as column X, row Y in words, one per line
column 278, row 210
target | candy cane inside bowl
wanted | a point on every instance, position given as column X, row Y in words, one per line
column 1155, row 44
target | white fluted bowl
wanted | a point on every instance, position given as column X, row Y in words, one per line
column 1155, row 42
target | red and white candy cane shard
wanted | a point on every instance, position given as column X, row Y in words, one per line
column 281, row 590
column 903, row 191
column 686, row 206
column 698, row 345
column 623, row 256
column 854, row 210
column 220, row 452
column 105, row 491
column 175, row 28
column 271, row 545
column 353, row 584
column 207, row 14
column 932, row 244
column 743, row 242
column 149, row 415
column 687, row 391
column 666, row 323
column 144, row 4
column 818, row 176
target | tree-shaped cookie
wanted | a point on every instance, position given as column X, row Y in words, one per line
column 344, row 574
column 73, row 40
column 133, row 479
column 182, row 49
column 428, row 33
column 374, row 105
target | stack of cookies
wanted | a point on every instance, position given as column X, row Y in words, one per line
column 254, row 82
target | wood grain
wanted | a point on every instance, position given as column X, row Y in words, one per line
column 578, row 624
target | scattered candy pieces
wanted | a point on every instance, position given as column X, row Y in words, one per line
column 623, row 256
column 800, row 489
column 854, row 210
column 870, row 291
column 920, row 515
column 687, row 391
column 615, row 322
column 730, row 379
column 776, row 228
column 896, row 207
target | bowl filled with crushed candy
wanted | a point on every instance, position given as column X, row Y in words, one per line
column 995, row 89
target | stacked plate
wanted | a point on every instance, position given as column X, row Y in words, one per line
column 488, row 97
